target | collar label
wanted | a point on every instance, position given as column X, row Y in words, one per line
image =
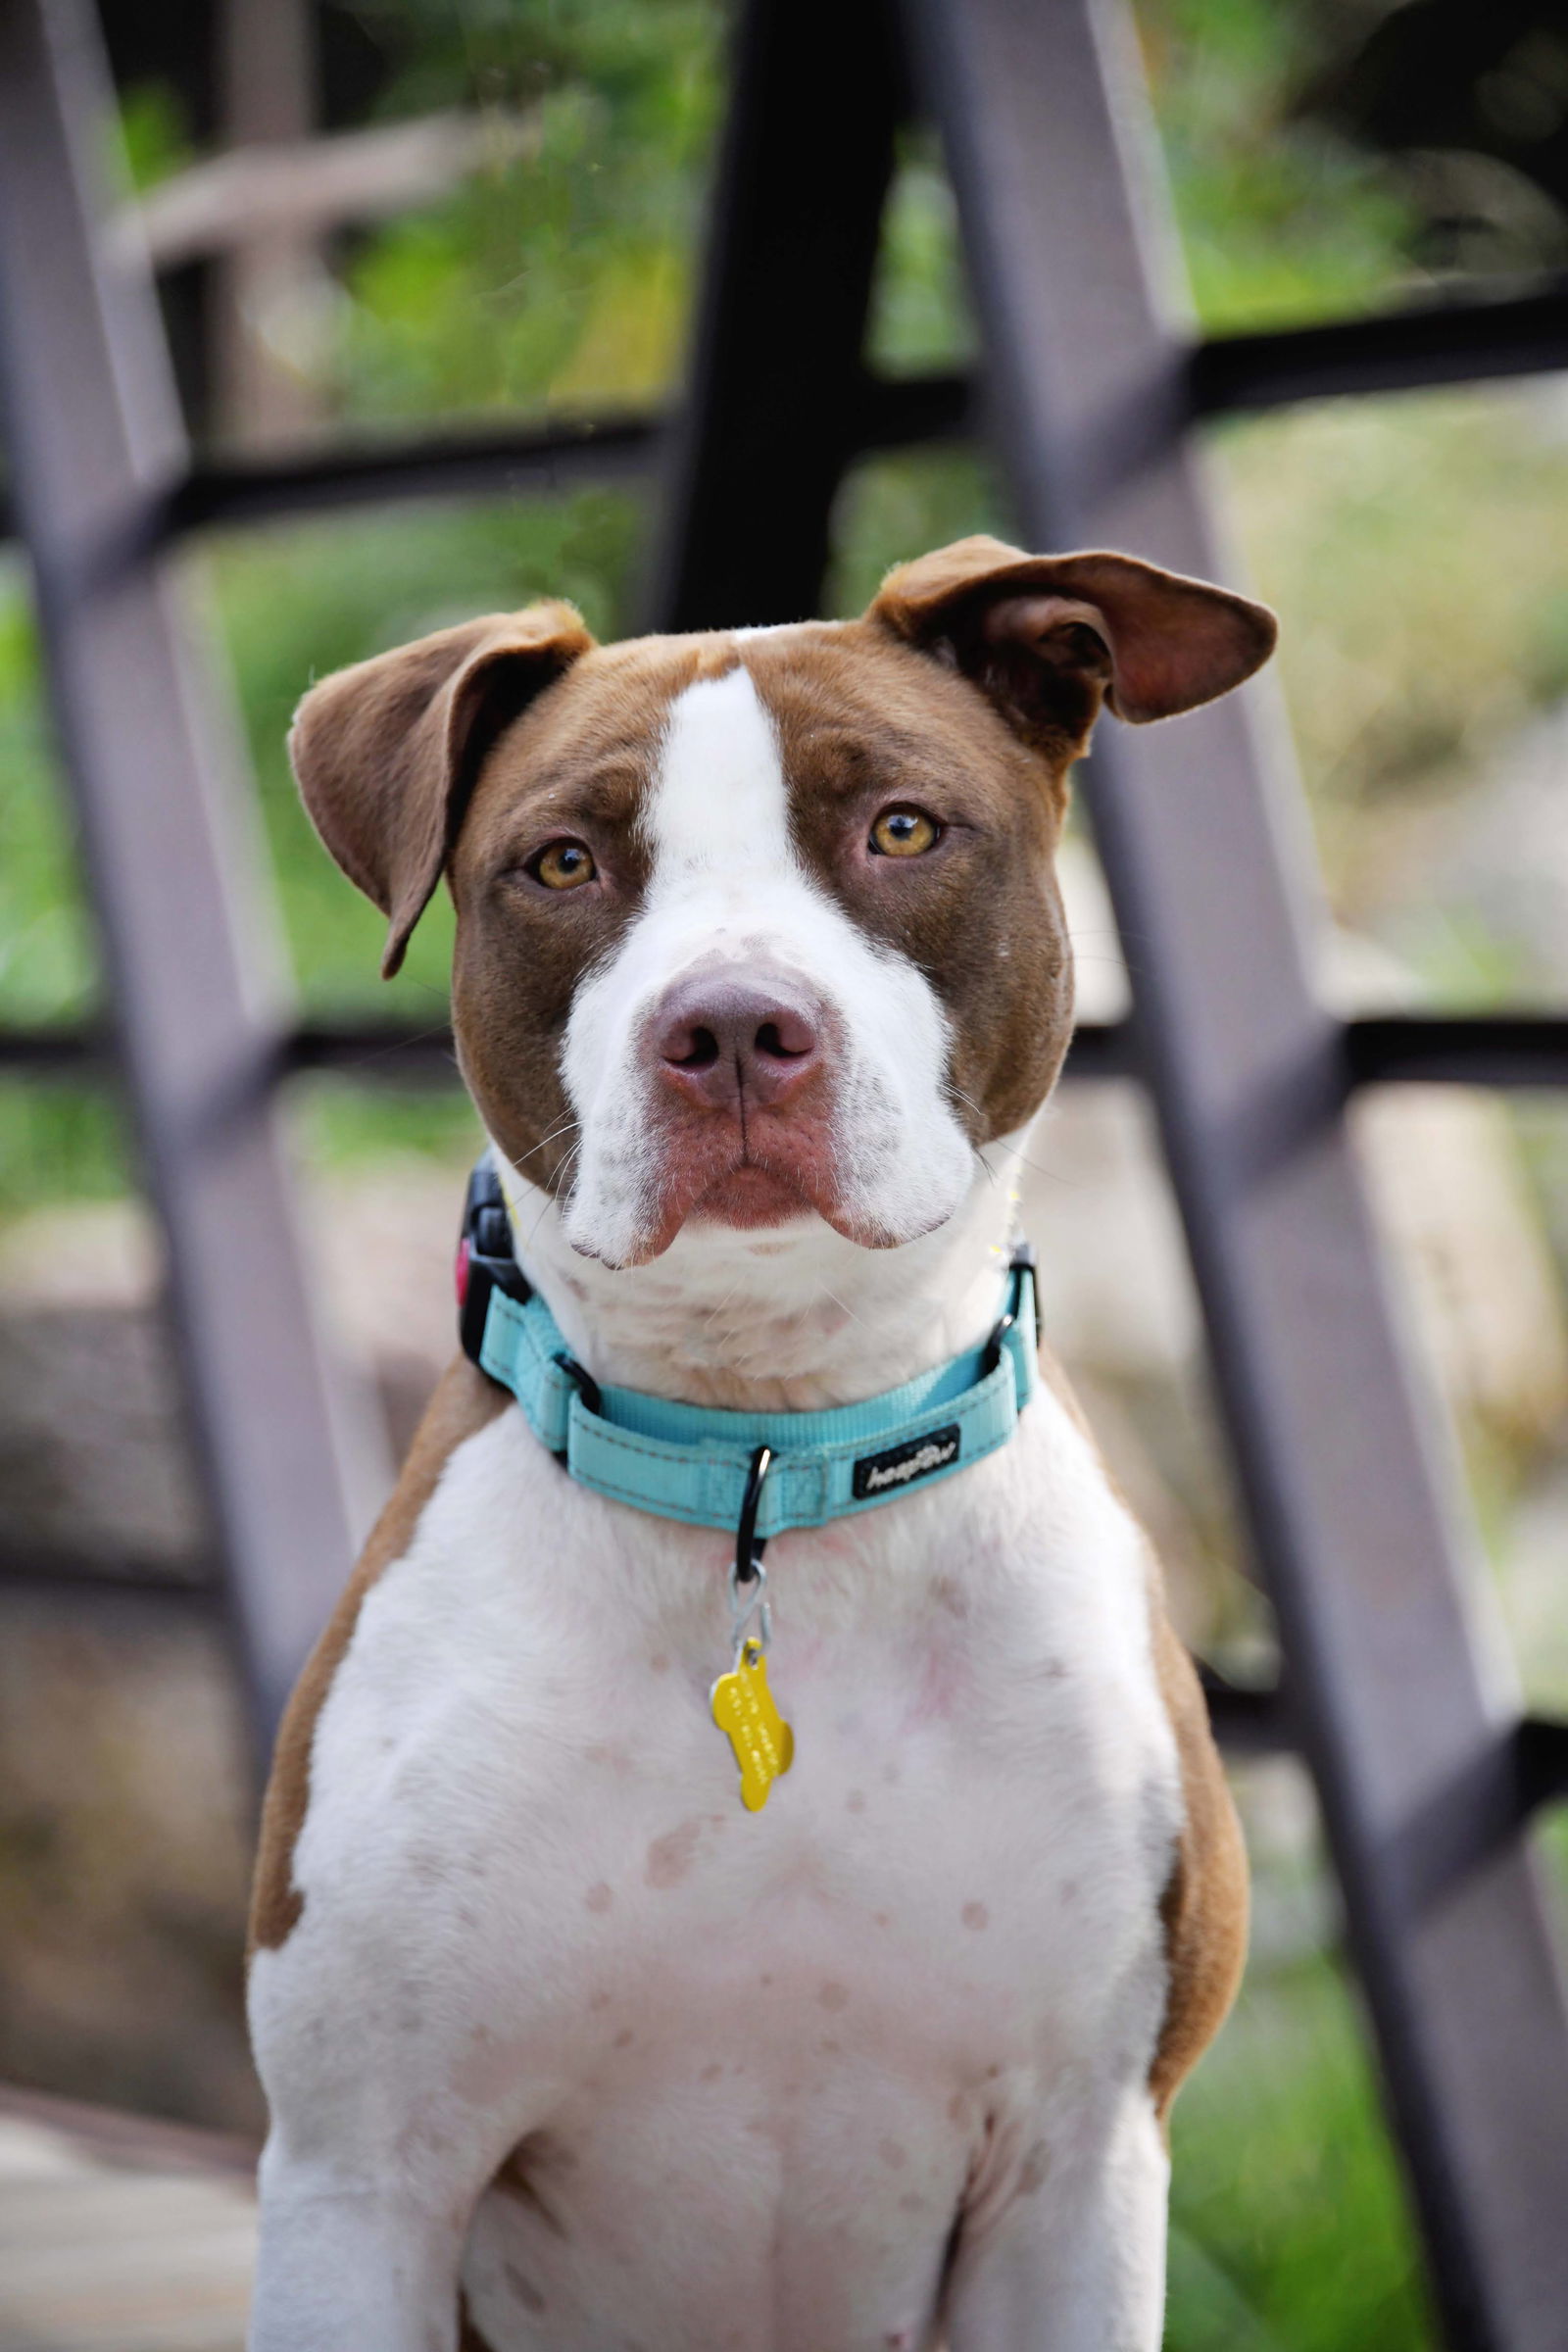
column 902, row 1465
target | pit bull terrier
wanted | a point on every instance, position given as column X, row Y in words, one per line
column 618, row 1980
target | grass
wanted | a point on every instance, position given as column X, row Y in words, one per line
column 1289, row 2228
column 1288, row 2232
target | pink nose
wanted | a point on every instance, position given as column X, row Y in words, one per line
column 720, row 1040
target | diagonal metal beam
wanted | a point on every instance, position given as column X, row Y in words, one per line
column 93, row 433
column 1205, row 850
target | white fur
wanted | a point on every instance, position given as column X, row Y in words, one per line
column 779, row 2052
column 787, row 1319
column 727, row 894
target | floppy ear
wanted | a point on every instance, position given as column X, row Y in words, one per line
column 1048, row 637
column 385, row 754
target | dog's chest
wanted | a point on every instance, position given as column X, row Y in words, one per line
column 827, row 2016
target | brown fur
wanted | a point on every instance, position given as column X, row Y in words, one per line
column 864, row 721
column 1156, row 642
column 385, row 753
column 1204, row 1906
column 465, row 1401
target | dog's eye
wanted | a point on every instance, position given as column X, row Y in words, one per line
column 905, row 833
column 563, row 866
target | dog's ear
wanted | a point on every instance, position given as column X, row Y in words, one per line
column 385, row 754
column 1048, row 637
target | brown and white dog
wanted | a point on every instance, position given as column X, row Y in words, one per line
column 761, row 977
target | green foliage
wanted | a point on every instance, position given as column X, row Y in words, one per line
column 1414, row 548
column 1281, row 223
column 1288, row 2226
column 47, row 956
column 563, row 276
column 919, row 303
column 153, row 139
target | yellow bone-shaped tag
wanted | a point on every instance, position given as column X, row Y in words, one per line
column 744, row 1709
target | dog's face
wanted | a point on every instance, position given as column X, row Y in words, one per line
column 759, row 927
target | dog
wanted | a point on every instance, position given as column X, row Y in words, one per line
column 655, row 1944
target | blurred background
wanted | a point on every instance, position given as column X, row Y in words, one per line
column 498, row 218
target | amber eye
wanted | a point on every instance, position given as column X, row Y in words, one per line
column 905, row 833
column 563, row 866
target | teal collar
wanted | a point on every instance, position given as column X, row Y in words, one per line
column 700, row 1465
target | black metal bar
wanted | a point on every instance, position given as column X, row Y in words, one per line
column 769, row 419
column 1541, row 1764
column 1393, row 350
column 67, row 1575
column 878, row 413
column 1454, row 343
column 1487, row 1049
column 55, row 1053
column 441, row 465
column 1409, row 350
column 383, row 1053
column 1247, row 1721
column 93, row 434
column 1049, row 146
column 1501, row 1051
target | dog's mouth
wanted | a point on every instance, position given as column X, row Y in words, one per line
column 749, row 1196
column 775, row 1174
column 769, row 1174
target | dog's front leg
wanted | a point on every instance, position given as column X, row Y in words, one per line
column 345, row 2268
column 378, row 2156
column 1076, row 2262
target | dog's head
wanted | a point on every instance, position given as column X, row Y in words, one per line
column 759, row 926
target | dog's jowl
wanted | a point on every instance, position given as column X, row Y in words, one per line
column 746, row 1866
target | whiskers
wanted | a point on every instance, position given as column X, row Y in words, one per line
column 842, row 1304
column 562, row 1180
column 565, row 1128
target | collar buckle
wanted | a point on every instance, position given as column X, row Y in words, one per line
column 486, row 1258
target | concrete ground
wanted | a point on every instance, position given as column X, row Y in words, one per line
column 117, row 2236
